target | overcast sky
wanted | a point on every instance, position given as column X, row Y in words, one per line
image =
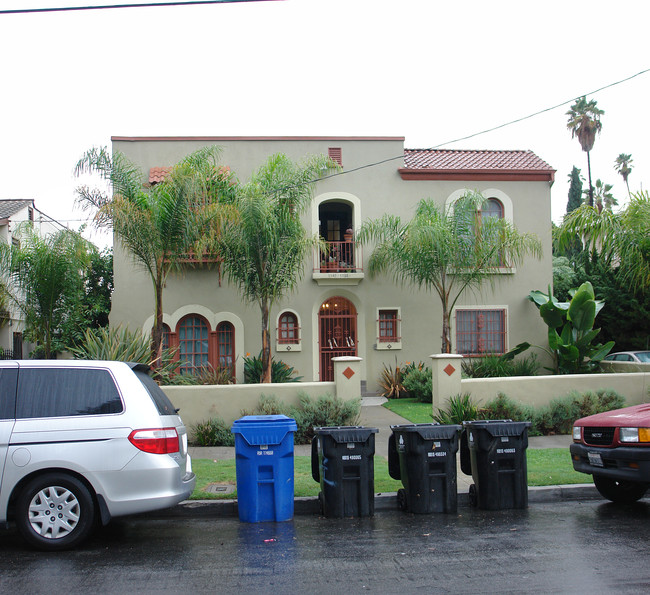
column 429, row 70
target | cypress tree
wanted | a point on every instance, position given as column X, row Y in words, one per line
column 575, row 190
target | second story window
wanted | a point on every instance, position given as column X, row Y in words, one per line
column 388, row 328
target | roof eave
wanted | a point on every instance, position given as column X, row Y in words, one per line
column 510, row 175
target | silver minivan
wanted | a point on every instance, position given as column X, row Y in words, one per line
column 85, row 441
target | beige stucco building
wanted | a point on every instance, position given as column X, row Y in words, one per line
column 338, row 310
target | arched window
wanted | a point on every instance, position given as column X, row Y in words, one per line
column 492, row 208
column 226, row 347
column 193, row 344
column 288, row 329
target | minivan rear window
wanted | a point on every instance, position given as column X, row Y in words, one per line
column 8, row 392
column 161, row 400
column 62, row 392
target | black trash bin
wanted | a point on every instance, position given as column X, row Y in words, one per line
column 342, row 460
column 497, row 455
column 423, row 457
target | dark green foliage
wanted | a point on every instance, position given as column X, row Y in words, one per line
column 559, row 415
column 575, row 190
column 206, row 376
column 280, row 372
column 213, row 432
column 326, row 410
column 499, row 366
column 418, row 383
column 460, row 408
column 626, row 319
column 565, row 278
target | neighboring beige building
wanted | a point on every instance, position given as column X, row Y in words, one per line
column 14, row 213
column 338, row 309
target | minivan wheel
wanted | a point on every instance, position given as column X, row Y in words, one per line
column 620, row 491
column 55, row 512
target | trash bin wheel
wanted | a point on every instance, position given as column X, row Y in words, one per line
column 473, row 498
column 401, row 499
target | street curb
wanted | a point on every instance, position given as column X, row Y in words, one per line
column 383, row 502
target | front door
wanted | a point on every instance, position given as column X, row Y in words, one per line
column 337, row 333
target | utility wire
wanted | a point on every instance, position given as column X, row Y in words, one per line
column 130, row 5
column 449, row 142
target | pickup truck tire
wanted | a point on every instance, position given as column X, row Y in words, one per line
column 620, row 491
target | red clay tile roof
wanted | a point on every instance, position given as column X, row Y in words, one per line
column 454, row 159
column 474, row 165
column 158, row 174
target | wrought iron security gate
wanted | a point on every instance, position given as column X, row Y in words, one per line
column 337, row 333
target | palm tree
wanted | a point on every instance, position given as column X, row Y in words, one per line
column 623, row 166
column 584, row 122
column 157, row 224
column 603, row 197
column 445, row 251
column 622, row 240
column 44, row 277
column 263, row 252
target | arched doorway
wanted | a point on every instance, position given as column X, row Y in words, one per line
column 337, row 333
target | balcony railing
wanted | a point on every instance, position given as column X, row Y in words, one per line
column 339, row 257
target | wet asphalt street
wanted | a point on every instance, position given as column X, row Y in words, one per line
column 571, row 547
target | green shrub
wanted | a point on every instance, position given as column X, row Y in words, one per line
column 558, row 416
column 418, row 383
column 206, row 376
column 280, row 372
column 498, row 366
column 390, row 382
column 326, row 410
column 461, row 408
column 213, row 432
column 120, row 344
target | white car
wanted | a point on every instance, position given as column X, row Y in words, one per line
column 82, row 441
column 639, row 357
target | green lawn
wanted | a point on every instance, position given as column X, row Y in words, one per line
column 550, row 466
column 411, row 409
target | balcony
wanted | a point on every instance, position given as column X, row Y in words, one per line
column 339, row 264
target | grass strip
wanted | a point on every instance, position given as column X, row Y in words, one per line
column 547, row 466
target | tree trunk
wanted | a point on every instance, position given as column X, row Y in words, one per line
column 266, row 343
column 157, row 331
column 446, row 328
column 591, row 188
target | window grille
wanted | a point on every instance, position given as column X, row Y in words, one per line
column 288, row 330
column 193, row 344
column 481, row 332
column 226, row 347
column 388, row 326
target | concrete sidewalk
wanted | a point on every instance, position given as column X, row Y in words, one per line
column 375, row 416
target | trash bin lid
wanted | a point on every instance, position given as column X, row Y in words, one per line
column 346, row 434
column 263, row 429
column 432, row 431
column 499, row 427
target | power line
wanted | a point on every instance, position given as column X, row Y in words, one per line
column 130, row 5
column 449, row 142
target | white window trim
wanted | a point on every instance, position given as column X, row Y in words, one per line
column 452, row 323
column 393, row 345
column 288, row 347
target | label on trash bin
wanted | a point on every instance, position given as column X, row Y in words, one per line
column 351, row 458
column 506, row 451
column 350, row 445
column 439, row 453
column 505, row 439
column 264, row 450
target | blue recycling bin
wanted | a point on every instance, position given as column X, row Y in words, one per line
column 264, row 465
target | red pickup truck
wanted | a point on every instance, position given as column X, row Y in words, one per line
column 614, row 447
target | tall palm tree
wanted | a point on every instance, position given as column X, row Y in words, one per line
column 263, row 252
column 445, row 251
column 623, row 166
column 158, row 225
column 44, row 277
column 584, row 122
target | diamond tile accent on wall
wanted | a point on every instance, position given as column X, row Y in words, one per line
column 449, row 370
column 348, row 372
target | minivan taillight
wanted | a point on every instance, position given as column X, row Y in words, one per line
column 159, row 441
